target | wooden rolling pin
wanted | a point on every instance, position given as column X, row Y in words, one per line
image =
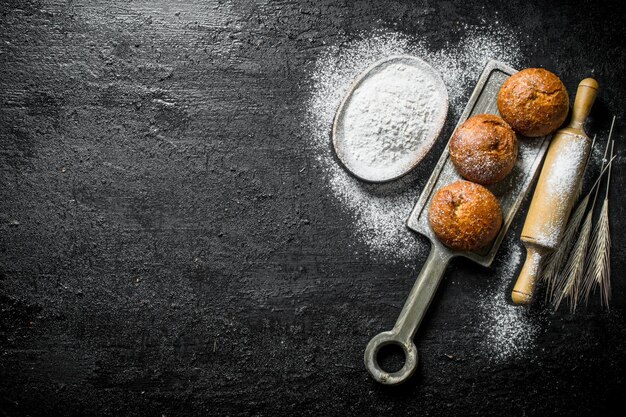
column 556, row 191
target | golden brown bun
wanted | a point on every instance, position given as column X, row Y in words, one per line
column 534, row 102
column 465, row 216
column 484, row 149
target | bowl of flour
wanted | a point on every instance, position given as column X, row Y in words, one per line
column 390, row 118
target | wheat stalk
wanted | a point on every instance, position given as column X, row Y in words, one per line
column 598, row 269
column 598, row 265
column 568, row 285
column 553, row 266
column 579, row 190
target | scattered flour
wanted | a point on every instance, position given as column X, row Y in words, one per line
column 391, row 119
column 565, row 166
column 380, row 210
column 564, row 179
column 508, row 330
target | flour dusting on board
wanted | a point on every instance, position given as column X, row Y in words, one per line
column 380, row 211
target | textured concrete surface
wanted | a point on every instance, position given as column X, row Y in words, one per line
column 163, row 251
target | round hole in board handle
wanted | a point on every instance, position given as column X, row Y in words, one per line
column 373, row 350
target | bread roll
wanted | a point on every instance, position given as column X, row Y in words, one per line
column 465, row 216
column 534, row 102
column 484, row 149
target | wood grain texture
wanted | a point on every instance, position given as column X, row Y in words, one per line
column 167, row 246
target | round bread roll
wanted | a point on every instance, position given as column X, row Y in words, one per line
column 465, row 216
column 484, row 149
column 534, row 102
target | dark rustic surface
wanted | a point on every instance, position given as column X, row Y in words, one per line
column 162, row 252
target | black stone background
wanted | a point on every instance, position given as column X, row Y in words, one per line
column 163, row 251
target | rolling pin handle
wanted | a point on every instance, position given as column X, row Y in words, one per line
column 585, row 96
column 525, row 285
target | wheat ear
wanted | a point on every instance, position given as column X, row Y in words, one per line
column 570, row 282
column 554, row 263
column 554, row 266
column 598, row 262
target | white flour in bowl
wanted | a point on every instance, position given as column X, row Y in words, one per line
column 391, row 119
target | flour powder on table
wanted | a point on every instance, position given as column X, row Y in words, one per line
column 379, row 211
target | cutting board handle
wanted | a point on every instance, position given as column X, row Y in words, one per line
column 585, row 96
column 409, row 320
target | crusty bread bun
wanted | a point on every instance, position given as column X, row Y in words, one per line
column 484, row 149
column 465, row 216
column 534, row 102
